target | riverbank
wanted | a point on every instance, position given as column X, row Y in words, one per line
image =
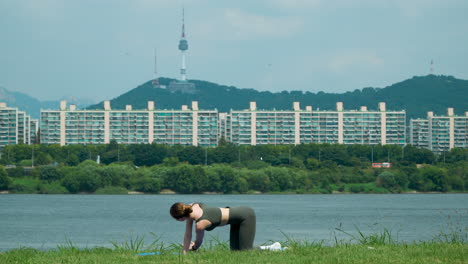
column 299, row 253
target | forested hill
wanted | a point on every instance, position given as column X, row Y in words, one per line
column 416, row 95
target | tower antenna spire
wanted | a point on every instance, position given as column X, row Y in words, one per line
column 183, row 22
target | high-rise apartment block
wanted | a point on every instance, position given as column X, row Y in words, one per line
column 440, row 133
column 192, row 126
column 298, row 126
column 16, row 127
column 185, row 127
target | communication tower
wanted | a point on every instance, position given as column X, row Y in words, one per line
column 183, row 85
column 183, row 46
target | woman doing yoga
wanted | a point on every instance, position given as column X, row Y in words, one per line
column 241, row 218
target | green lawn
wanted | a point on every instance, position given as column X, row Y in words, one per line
column 303, row 253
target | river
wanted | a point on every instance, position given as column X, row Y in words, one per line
column 46, row 221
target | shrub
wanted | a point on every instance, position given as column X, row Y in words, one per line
column 24, row 185
column 145, row 183
column 25, row 163
column 49, row 173
column 112, row 190
column 15, row 172
column 357, row 188
column 52, row 188
column 4, row 179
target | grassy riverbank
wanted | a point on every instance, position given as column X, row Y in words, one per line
column 300, row 253
column 448, row 246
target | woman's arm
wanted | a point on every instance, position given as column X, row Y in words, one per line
column 199, row 239
column 188, row 235
column 200, row 232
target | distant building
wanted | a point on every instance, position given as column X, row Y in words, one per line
column 33, row 131
column 242, row 127
column 16, row 127
column 440, row 133
column 419, row 133
column 381, row 165
column 185, row 127
column 182, row 86
column 296, row 126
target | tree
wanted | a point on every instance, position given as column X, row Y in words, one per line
column 83, row 178
column 15, row 172
column 386, row 180
column 180, row 179
column 4, row 179
column 148, row 154
column 42, row 158
column 258, row 180
column 49, row 173
column 394, row 181
column 418, row 155
column 312, row 164
column 145, row 180
column 72, row 160
column 435, row 178
column 115, row 175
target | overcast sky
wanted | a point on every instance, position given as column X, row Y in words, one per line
column 100, row 49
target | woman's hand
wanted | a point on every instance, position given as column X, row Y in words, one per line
column 192, row 246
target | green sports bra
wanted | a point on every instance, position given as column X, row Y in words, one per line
column 212, row 214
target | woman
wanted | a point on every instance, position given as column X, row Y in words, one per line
column 242, row 220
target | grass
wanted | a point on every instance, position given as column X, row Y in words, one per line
column 299, row 253
column 381, row 237
column 377, row 247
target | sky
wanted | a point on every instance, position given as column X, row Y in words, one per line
column 100, row 49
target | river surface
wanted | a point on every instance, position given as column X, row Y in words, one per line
column 48, row 221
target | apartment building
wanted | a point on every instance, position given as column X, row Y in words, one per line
column 440, row 133
column 34, row 126
column 419, row 133
column 16, row 127
column 185, row 126
column 297, row 126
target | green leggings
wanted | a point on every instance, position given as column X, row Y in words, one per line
column 243, row 221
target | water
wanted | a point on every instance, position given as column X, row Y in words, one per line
column 46, row 221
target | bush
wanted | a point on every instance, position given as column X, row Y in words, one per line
column 81, row 179
column 49, row 173
column 24, row 185
column 357, row 188
column 115, row 175
column 112, row 190
column 146, row 184
column 25, row 163
column 4, row 179
column 52, row 188
column 15, row 172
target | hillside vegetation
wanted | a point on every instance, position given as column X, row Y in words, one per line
column 417, row 96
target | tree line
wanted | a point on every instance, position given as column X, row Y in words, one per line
column 228, row 168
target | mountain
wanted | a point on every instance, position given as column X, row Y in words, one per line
column 33, row 106
column 417, row 96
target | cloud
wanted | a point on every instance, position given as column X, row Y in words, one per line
column 248, row 25
column 340, row 63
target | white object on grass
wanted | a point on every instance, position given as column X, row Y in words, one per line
column 273, row 247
